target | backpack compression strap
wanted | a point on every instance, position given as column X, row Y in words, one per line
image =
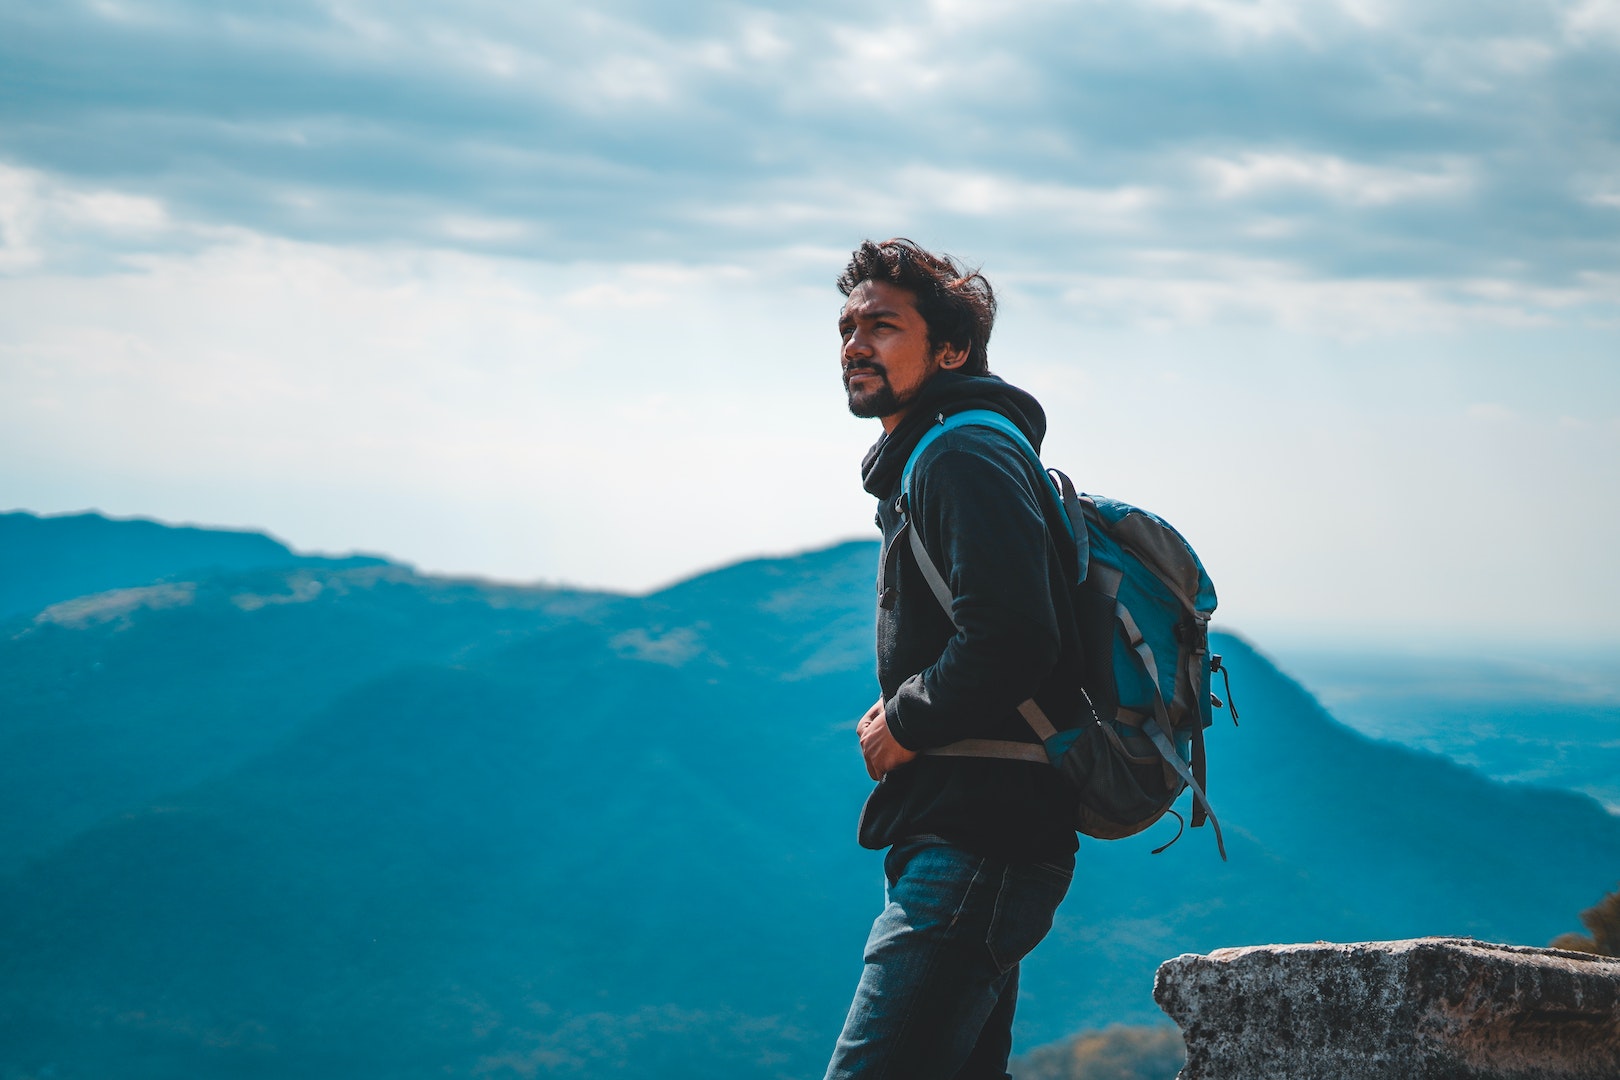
column 1157, row 727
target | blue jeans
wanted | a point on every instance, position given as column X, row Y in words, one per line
column 936, row 999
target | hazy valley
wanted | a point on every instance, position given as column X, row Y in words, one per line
column 265, row 814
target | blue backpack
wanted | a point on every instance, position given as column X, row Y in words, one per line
column 1142, row 602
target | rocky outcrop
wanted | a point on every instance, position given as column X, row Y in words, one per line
column 1425, row 1009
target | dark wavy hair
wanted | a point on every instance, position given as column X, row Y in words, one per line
column 956, row 303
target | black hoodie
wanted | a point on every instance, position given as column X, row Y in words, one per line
column 981, row 508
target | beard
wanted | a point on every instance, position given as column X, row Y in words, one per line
column 871, row 404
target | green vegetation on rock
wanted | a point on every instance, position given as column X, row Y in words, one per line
column 1603, row 920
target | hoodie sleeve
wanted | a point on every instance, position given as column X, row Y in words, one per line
column 981, row 522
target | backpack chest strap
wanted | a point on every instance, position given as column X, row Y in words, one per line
column 1005, row 749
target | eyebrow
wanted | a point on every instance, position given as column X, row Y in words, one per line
column 884, row 314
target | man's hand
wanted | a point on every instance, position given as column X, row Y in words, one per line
column 883, row 755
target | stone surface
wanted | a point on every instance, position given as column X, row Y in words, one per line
column 1425, row 1009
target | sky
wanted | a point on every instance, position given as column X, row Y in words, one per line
column 544, row 292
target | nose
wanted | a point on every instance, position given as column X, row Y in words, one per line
column 856, row 348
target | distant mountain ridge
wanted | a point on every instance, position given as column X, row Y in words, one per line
column 1551, row 719
column 329, row 821
column 55, row 557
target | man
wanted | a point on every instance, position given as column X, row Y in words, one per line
column 980, row 850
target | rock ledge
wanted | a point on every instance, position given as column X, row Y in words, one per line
column 1424, row 1009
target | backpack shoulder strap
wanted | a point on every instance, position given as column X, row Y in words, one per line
column 967, row 417
column 980, row 418
column 974, row 417
column 1031, row 712
column 1065, row 498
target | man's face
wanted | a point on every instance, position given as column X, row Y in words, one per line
column 885, row 353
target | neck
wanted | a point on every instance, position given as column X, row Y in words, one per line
column 898, row 417
column 893, row 420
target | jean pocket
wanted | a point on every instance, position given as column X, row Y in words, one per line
column 1025, row 905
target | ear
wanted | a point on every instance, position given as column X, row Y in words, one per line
column 951, row 357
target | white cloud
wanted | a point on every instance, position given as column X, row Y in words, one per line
column 115, row 210
column 1603, row 191
column 121, row 12
column 1593, row 22
column 736, row 130
column 1518, row 56
column 1335, row 178
column 982, row 194
column 1171, row 290
column 1246, row 18
column 40, row 214
column 890, row 64
column 485, row 229
column 19, row 209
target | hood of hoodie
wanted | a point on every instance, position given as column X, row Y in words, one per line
column 948, row 392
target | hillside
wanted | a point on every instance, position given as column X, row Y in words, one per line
column 61, row 556
column 1549, row 717
column 330, row 821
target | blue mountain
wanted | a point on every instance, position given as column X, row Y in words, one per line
column 328, row 821
column 1549, row 717
column 61, row 556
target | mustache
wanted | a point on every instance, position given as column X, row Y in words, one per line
column 863, row 368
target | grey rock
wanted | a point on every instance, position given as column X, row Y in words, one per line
column 1424, row 1009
